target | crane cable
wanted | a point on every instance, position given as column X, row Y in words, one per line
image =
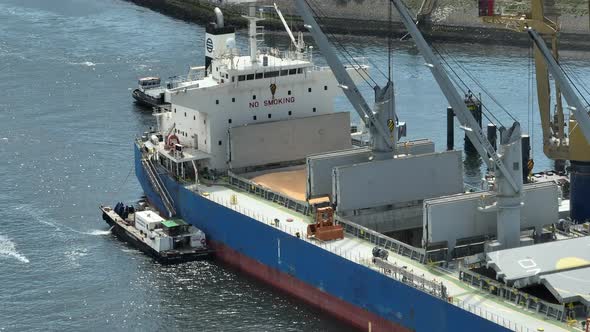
column 460, row 82
column 479, row 84
column 569, row 72
column 318, row 14
column 531, row 100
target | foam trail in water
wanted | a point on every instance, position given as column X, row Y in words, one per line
column 8, row 249
column 39, row 216
column 98, row 232
column 85, row 63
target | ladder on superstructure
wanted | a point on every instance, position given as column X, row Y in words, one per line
column 160, row 189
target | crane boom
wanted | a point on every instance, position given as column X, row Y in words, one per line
column 286, row 26
column 566, row 89
column 367, row 115
column 473, row 131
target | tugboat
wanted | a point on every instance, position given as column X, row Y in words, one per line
column 168, row 241
column 150, row 92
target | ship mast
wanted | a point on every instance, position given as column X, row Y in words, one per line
column 253, row 33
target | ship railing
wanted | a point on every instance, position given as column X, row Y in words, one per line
column 268, row 194
column 408, row 277
column 286, row 54
column 383, row 241
column 500, row 320
column 522, row 299
column 194, row 74
column 399, row 273
column 359, row 63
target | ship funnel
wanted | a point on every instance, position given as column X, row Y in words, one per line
column 218, row 39
column 218, row 17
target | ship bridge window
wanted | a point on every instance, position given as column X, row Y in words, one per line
column 325, row 88
column 308, row 89
column 292, row 71
column 233, row 100
column 241, row 78
column 258, row 76
column 271, row 74
column 284, row 72
column 250, row 77
column 299, row 70
column 253, row 97
column 289, row 92
column 219, row 143
column 216, row 101
column 233, row 78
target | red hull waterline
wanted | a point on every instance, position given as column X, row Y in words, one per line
column 340, row 309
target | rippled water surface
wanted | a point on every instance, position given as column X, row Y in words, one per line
column 66, row 126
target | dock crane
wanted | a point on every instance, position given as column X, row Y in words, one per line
column 508, row 178
column 558, row 144
column 580, row 135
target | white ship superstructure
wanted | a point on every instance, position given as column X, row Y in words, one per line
column 236, row 90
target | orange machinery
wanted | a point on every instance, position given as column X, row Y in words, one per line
column 324, row 228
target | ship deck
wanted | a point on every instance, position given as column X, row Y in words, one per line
column 359, row 250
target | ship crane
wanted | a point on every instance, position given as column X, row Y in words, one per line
column 384, row 134
column 508, row 179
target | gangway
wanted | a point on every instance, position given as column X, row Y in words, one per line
column 156, row 183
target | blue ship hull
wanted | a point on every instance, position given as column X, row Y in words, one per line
column 352, row 292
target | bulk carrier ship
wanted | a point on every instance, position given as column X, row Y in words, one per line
column 253, row 153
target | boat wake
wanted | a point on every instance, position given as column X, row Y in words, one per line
column 98, row 232
column 41, row 218
column 85, row 63
column 8, row 250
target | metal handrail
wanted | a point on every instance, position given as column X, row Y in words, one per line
column 398, row 273
column 552, row 310
column 400, row 248
column 500, row 320
column 268, row 194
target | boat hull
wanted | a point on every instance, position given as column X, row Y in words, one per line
column 145, row 100
column 354, row 293
column 123, row 235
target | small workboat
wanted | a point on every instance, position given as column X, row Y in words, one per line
column 150, row 92
column 169, row 241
